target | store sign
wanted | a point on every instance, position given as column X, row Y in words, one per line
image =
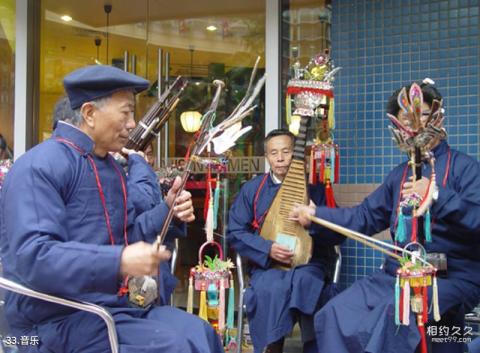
column 236, row 165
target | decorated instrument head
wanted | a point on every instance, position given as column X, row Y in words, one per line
column 417, row 117
column 312, row 85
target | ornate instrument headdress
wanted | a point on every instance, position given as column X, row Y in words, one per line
column 312, row 88
column 415, row 129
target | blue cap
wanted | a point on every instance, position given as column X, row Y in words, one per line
column 97, row 81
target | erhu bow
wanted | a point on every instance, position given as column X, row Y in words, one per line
column 222, row 136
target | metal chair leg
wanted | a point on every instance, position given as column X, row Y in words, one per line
column 173, row 265
column 241, row 293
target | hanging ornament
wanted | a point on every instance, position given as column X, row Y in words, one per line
column 413, row 279
column 212, row 276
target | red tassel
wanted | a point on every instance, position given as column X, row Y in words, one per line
column 124, row 288
column 423, row 339
column 337, row 166
column 207, row 193
column 330, row 198
column 425, row 304
column 414, row 228
column 313, row 169
column 321, row 173
column 190, row 145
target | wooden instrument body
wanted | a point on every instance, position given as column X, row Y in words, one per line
column 278, row 228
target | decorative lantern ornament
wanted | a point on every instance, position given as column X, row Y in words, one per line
column 211, row 277
column 411, row 291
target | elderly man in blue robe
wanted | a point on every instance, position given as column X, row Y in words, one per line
column 362, row 318
column 276, row 298
column 69, row 230
column 143, row 193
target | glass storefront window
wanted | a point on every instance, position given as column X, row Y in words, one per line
column 7, row 72
column 201, row 46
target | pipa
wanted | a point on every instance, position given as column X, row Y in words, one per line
column 309, row 88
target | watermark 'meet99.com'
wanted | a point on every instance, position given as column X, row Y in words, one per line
column 450, row 334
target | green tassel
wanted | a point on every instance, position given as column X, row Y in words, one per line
column 397, row 301
column 428, row 227
column 216, row 199
column 400, row 233
column 231, row 306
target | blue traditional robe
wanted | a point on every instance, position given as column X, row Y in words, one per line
column 361, row 319
column 54, row 239
column 144, row 194
column 276, row 297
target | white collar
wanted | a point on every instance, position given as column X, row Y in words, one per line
column 274, row 178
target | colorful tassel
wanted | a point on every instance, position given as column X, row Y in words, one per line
column 414, row 228
column 331, row 114
column 208, row 193
column 209, row 222
column 288, row 109
column 337, row 166
column 400, row 235
column 330, row 199
column 401, row 305
column 436, row 308
column 321, row 172
column 190, row 295
column 326, row 176
column 406, row 303
column 423, row 338
column 397, row 301
column 425, row 303
column 221, row 308
column 202, row 312
column 428, row 228
column 332, row 164
column 231, row 306
column 216, row 201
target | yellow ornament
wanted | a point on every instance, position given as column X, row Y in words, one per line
column 318, row 72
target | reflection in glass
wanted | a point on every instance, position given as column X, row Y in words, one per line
column 305, row 32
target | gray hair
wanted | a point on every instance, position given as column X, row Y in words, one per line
column 62, row 111
column 99, row 103
column 275, row 133
column 77, row 117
